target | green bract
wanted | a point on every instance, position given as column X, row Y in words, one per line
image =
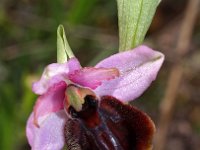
column 63, row 49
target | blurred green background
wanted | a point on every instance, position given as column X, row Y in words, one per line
column 28, row 43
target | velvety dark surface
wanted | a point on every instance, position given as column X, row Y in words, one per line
column 110, row 125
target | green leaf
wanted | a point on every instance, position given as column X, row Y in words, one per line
column 63, row 49
column 134, row 18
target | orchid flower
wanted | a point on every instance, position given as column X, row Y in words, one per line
column 123, row 76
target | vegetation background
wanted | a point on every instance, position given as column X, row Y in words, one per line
column 28, row 44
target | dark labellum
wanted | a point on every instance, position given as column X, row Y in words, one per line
column 108, row 124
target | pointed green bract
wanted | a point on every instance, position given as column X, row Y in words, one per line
column 134, row 17
column 63, row 49
column 61, row 52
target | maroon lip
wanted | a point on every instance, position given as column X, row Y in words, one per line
column 108, row 125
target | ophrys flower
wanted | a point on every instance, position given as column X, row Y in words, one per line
column 124, row 76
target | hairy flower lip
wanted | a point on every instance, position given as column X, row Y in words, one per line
column 106, row 123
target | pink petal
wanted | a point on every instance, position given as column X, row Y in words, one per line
column 73, row 64
column 53, row 74
column 51, row 101
column 138, row 68
column 50, row 134
column 93, row 77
